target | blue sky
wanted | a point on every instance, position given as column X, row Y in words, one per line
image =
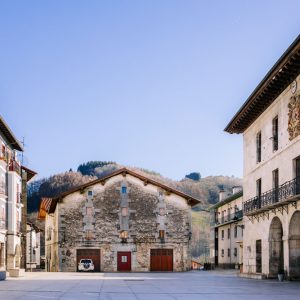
column 143, row 83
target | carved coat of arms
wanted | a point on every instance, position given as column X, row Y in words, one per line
column 294, row 116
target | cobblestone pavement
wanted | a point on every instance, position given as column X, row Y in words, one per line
column 209, row 285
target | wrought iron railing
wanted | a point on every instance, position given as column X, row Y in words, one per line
column 229, row 218
column 288, row 189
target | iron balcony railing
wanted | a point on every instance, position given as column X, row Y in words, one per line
column 229, row 218
column 283, row 192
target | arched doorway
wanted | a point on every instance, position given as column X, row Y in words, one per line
column 294, row 245
column 275, row 247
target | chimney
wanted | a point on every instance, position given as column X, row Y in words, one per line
column 222, row 195
column 236, row 189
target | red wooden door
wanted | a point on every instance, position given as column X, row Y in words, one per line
column 161, row 260
column 124, row 261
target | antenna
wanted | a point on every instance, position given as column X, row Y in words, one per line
column 22, row 155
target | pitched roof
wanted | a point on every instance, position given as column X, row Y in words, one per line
column 282, row 74
column 30, row 173
column 124, row 171
column 228, row 199
column 8, row 134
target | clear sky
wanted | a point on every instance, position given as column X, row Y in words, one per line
column 143, row 83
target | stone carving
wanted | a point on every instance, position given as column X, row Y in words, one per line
column 294, row 117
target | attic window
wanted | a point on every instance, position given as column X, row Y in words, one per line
column 90, row 193
column 161, row 234
column 124, row 189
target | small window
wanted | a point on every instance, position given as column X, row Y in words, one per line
column 89, row 234
column 258, row 147
column 275, row 133
column 90, row 193
column 228, row 233
column 222, row 234
column 222, row 252
column 258, row 188
column 161, row 234
column 235, row 252
column 235, row 231
column 124, row 234
column 124, row 259
column 124, row 189
column 228, row 252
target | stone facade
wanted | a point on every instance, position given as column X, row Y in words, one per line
column 121, row 214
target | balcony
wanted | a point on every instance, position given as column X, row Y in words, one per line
column 2, row 188
column 238, row 215
column 14, row 166
column 271, row 199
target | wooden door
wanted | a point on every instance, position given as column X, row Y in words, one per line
column 161, row 259
column 124, row 261
column 258, row 256
column 93, row 254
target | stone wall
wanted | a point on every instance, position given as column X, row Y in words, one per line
column 124, row 214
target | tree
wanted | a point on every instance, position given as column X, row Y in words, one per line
column 194, row 176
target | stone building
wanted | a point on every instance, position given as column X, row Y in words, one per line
column 13, row 180
column 270, row 123
column 227, row 230
column 123, row 222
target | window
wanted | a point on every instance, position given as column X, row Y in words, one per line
column 228, row 252
column 275, row 133
column 2, row 213
column 258, row 188
column 228, row 233
column 228, row 214
column 222, row 252
column 258, row 147
column 90, row 193
column 161, row 234
column 275, row 175
column 124, row 189
column 222, row 234
column 235, row 231
column 223, row 213
column 124, row 211
column 124, row 234
column 235, row 252
column 89, row 234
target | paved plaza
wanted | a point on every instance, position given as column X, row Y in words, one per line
column 208, row 285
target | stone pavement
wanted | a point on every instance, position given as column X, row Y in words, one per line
column 209, row 285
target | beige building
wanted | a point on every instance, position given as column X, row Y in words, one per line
column 13, row 180
column 122, row 222
column 227, row 230
column 33, row 247
column 270, row 123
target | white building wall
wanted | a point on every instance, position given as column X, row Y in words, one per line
column 283, row 160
